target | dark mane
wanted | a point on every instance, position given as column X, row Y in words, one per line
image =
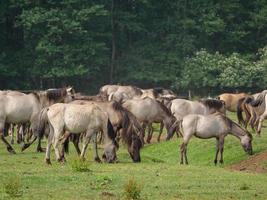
column 212, row 103
column 55, row 94
column 164, row 108
column 160, row 90
column 230, row 123
column 129, row 124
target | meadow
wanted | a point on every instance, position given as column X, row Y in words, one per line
column 159, row 175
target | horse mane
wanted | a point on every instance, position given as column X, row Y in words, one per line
column 129, row 123
column 55, row 94
column 259, row 100
column 212, row 103
column 36, row 95
column 164, row 108
column 230, row 123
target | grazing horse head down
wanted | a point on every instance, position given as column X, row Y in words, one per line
column 132, row 132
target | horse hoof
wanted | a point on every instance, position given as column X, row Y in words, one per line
column 62, row 160
column 25, row 146
column 48, row 161
column 11, row 150
column 97, row 159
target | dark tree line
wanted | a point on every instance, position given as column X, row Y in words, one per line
column 202, row 46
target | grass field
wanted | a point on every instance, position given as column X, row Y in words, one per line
column 159, row 175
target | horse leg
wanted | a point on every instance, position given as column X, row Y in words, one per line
column 217, row 151
column 59, row 157
column 221, row 144
column 9, row 147
column 96, row 157
column 182, row 153
column 75, row 138
column 160, row 130
column 48, row 149
column 150, row 133
column 185, row 154
column 86, row 140
column 12, row 133
column 260, row 124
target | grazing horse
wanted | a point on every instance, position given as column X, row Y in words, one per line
column 76, row 119
column 210, row 126
column 261, row 104
column 231, row 100
column 149, row 110
column 124, row 122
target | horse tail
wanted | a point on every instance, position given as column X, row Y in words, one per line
column 176, row 125
column 42, row 122
column 66, row 145
column 111, row 134
column 259, row 100
column 6, row 128
column 240, row 110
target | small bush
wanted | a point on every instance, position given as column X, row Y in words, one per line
column 132, row 190
column 80, row 166
column 12, row 186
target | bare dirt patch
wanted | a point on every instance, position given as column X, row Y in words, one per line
column 256, row 163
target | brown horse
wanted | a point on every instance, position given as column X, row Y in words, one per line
column 231, row 100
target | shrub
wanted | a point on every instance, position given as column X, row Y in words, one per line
column 132, row 190
column 80, row 166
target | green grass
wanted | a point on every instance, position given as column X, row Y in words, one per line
column 160, row 174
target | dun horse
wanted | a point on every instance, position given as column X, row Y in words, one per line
column 124, row 122
column 260, row 104
column 212, row 126
column 231, row 100
column 74, row 118
column 149, row 110
column 23, row 108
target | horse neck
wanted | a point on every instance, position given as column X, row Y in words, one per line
column 237, row 131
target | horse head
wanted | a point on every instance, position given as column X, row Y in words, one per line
column 246, row 143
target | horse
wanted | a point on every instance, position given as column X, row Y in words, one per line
column 22, row 108
column 261, row 104
column 75, row 118
column 149, row 110
column 209, row 126
column 182, row 107
column 123, row 122
column 125, row 92
column 231, row 100
column 251, row 113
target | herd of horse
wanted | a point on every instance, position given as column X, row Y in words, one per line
column 124, row 113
